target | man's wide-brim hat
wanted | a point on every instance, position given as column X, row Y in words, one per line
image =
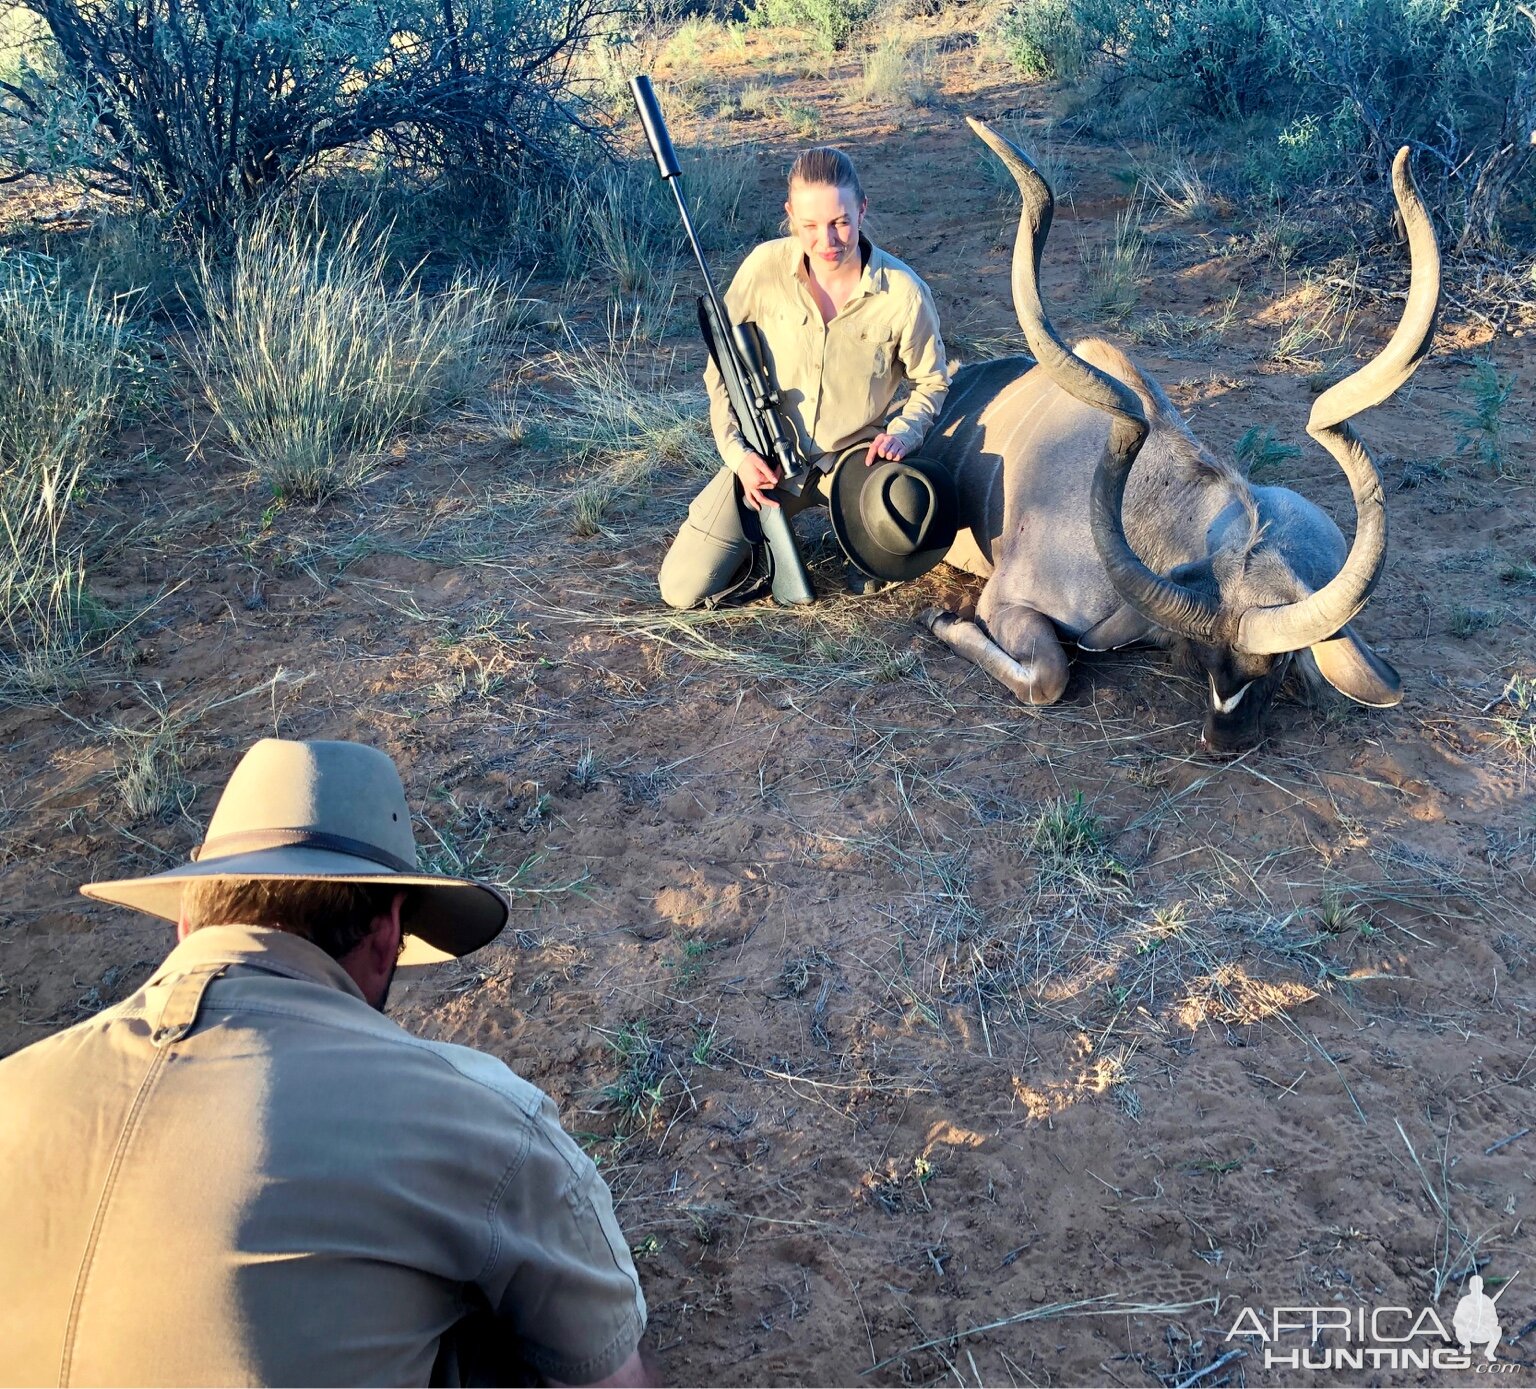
column 322, row 811
column 894, row 520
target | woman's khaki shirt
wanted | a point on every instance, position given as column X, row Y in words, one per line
column 837, row 380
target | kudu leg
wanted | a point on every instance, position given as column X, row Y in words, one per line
column 1026, row 656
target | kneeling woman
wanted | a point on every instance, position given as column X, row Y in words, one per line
column 846, row 326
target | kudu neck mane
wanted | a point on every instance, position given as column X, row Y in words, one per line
column 1171, row 461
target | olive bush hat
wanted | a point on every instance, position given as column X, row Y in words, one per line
column 894, row 520
column 321, row 810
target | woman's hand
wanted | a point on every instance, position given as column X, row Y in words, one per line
column 757, row 477
column 885, row 446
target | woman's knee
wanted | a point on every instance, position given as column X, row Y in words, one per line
column 699, row 567
column 680, row 588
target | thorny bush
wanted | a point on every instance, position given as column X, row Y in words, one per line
column 197, row 107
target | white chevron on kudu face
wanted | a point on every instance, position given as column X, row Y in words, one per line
column 1096, row 514
column 1227, row 705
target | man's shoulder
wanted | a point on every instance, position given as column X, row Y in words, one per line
column 336, row 1037
column 475, row 1071
column 406, row 1060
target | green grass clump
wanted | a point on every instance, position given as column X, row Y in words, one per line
column 1259, row 452
column 1070, row 843
column 1068, row 829
column 313, row 362
column 1469, row 621
column 638, row 1089
column 896, row 70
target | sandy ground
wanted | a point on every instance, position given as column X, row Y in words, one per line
column 922, row 1036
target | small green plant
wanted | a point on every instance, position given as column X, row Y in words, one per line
column 513, row 424
column 1516, row 730
column 706, row 1045
column 1337, row 915
column 688, row 966
column 1070, row 845
column 1516, row 737
column 536, row 812
column 590, row 507
column 802, row 118
column 1068, row 829
column 1167, row 925
column 1259, row 452
column 1520, row 692
column 1485, row 431
column 639, row 1088
column 891, row 665
column 1469, row 621
column 588, row 770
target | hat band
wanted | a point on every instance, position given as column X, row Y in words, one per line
column 252, row 841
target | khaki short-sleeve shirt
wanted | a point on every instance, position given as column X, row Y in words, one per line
column 246, row 1175
column 837, row 380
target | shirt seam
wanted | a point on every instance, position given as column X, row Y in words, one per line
column 491, row 1205
column 125, row 1139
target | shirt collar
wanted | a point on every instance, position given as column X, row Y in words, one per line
column 874, row 280
column 261, row 948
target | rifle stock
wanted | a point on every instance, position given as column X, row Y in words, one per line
column 737, row 353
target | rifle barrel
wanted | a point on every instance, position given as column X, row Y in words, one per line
column 660, row 141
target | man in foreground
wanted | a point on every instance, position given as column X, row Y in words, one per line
column 245, row 1174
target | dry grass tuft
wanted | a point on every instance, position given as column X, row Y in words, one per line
column 1317, row 319
column 898, row 70
column 68, row 371
column 313, row 363
column 1112, row 271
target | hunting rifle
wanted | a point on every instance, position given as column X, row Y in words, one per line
column 737, row 352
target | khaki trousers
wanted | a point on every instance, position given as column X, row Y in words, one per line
column 713, row 550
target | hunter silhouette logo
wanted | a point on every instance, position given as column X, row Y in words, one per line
column 1476, row 1322
column 1379, row 1338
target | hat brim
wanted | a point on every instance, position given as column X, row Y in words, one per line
column 861, row 549
column 453, row 915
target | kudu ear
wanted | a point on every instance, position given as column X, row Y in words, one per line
column 1123, row 627
column 1356, row 671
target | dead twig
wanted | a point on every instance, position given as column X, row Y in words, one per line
column 1227, row 1359
column 1104, row 1306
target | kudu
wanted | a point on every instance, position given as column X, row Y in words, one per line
column 1180, row 549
